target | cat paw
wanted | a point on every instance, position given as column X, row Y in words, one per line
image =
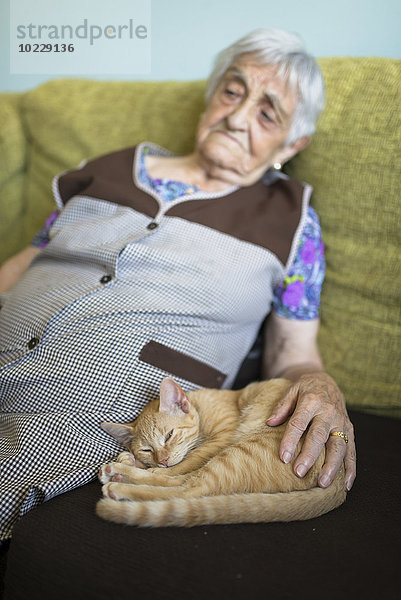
column 107, row 491
column 126, row 458
column 120, row 472
column 112, row 472
column 116, row 491
column 105, row 474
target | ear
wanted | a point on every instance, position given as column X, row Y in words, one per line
column 122, row 433
column 288, row 152
column 173, row 400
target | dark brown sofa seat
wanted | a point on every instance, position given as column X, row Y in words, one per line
column 62, row 550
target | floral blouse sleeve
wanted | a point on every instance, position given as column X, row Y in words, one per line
column 298, row 296
column 41, row 239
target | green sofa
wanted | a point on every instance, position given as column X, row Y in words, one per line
column 61, row 549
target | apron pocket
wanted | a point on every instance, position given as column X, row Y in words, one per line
column 181, row 365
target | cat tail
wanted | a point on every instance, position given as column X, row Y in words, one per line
column 225, row 509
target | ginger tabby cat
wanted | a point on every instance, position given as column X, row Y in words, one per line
column 209, row 457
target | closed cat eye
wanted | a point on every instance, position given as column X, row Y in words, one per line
column 168, row 436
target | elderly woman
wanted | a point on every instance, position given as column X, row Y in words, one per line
column 167, row 265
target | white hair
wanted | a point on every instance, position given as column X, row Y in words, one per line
column 287, row 51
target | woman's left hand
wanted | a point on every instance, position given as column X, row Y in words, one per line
column 315, row 400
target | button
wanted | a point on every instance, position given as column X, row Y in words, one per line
column 152, row 225
column 106, row 279
column 33, row 342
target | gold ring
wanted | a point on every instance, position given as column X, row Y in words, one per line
column 341, row 434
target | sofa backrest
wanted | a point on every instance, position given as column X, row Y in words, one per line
column 13, row 151
column 353, row 163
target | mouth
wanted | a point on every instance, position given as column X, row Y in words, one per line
column 228, row 135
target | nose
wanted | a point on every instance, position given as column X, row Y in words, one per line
column 239, row 116
column 164, row 461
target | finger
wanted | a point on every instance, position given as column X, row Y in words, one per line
column 312, row 447
column 335, row 452
column 295, row 428
column 284, row 407
column 350, row 459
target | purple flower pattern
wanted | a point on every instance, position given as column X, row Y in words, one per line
column 298, row 296
column 294, row 293
column 168, row 189
column 42, row 238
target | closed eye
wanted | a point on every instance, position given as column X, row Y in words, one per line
column 168, row 436
column 229, row 92
column 267, row 117
column 146, row 450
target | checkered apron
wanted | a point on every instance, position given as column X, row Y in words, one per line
column 107, row 310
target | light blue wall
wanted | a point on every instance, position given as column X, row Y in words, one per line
column 186, row 34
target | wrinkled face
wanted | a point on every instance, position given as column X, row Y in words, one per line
column 247, row 121
column 164, row 440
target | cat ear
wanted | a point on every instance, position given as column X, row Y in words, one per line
column 173, row 399
column 122, row 433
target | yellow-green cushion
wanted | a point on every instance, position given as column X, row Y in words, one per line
column 12, row 175
column 70, row 120
column 354, row 164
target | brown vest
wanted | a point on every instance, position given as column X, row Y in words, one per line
column 265, row 215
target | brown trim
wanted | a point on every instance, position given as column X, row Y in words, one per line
column 181, row 365
column 109, row 177
column 265, row 215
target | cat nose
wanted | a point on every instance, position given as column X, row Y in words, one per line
column 164, row 461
